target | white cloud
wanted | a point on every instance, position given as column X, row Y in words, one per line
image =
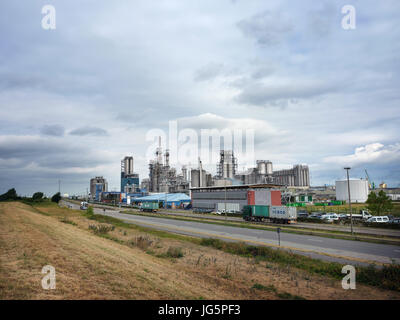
column 370, row 153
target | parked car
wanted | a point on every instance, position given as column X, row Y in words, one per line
column 302, row 214
column 315, row 215
column 395, row 220
column 378, row 219
column 330, row 217
column 343, row 216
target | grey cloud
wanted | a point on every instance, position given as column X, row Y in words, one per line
column 89, row 131
column 53, row 130
column 267, row 28
column 262, row 95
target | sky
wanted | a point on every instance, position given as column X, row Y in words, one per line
column 77, row 99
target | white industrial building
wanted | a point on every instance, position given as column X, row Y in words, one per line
column 359, row 190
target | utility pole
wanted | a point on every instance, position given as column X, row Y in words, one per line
column 348, row 189
column 225, row 200
column 59, row 186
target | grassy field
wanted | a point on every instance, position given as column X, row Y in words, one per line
column 103, row 258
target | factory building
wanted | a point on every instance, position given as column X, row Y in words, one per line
column 227, row 166
column 299, row 176
column 359, row 190
column 163, row 178
column 261, row 174
column 97, row 186
column 200, row 177
column 238, row 196
column 129, row 179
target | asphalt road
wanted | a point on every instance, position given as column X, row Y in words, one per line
column 343, row 251
column 303, row 225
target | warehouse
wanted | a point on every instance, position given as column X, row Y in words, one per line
column 173, row 200
column 236, row 196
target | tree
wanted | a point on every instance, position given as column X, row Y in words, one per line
column 379, row 204
column 37, row 196
column 56, row 198
column 9, row 195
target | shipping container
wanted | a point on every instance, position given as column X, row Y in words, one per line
column 251, row 200
column 283, row 214
column 149, row 206
column 255, row 213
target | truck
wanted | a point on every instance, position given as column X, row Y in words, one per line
column 230, row 207
column 363, row 215
column 282, row 214
column 255, row 212
column 149, row 206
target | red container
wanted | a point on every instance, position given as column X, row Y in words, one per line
column 276, row 199
column 251, row 198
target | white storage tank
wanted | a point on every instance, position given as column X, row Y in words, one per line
column 359, row 190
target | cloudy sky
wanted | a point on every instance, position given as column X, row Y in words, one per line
column 74, row 101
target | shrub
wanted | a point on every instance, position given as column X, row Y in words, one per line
column 9, row 195
column 175, row 252
column 141, row 242
column 56, row 198
column 101, row 228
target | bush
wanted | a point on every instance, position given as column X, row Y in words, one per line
column 175, row 252
column 37, row 196
column 141, row 242
column 9, row 195
column 101, row 228
column 89, row 211
column 56, row 198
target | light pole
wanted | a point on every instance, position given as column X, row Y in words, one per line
column 348, row 189
column 225, row 198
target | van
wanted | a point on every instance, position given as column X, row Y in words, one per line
column 379, row 219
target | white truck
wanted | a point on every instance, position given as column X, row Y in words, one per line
column 283, row 214
column 363, row 215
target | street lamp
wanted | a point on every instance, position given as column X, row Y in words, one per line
column 348, row 189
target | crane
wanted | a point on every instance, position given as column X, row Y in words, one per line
column 371, row 183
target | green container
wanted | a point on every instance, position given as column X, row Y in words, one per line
column 256, row 211
column 149, row 206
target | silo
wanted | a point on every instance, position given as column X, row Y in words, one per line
column 269, row 167
column 262, row 167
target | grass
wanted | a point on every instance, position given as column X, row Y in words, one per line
column 387, row 277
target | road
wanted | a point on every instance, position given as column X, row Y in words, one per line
column 343, row 251
column 367, row 231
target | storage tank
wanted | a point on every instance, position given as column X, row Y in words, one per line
column 262, row 167
column 359, row 190
column 269, row 167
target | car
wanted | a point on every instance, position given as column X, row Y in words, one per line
column 330, row 217
column 315, row 216
column 395, row 220
column 378, row 219
column 343, row 216
column 302, row 214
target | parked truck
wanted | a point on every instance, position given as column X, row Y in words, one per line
column 283, row 214
column 255, row 212
column 149, row 206
column 275, row 214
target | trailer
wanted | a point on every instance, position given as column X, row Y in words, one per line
column 149, row 206
column 283, row 214
column 255, row 213
column 274, row 214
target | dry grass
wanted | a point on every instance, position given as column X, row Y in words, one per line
column 126, row 263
